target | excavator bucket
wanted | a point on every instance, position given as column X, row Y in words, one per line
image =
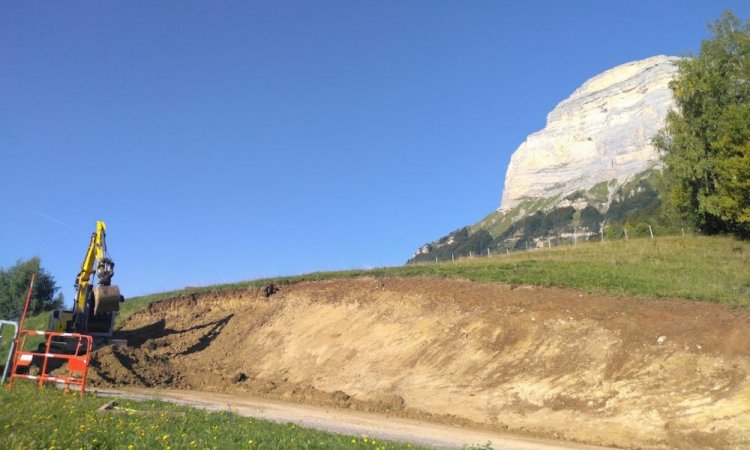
column 106, row 299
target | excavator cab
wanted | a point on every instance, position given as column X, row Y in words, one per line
column 60, row 320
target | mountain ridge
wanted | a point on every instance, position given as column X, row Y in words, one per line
column 591, row 170
column 601, row 132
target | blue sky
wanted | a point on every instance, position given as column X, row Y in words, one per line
column 224, row 141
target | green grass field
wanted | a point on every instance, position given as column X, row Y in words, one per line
column 48, row 418
column 715, row 269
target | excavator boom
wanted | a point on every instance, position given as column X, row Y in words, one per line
column 94, row 307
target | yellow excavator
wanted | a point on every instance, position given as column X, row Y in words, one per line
column 94, row 309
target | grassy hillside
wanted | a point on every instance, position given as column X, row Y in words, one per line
column 632, row 206
column 715, row 269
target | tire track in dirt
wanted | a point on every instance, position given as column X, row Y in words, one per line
column 368, row 425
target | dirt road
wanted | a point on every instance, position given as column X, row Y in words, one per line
column 344, row 422
column 542, row 362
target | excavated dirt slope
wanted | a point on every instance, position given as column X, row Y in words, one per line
column 608, row 370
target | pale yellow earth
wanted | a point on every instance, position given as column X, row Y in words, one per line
column 542, row 362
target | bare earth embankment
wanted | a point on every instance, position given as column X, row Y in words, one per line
column 548, row 362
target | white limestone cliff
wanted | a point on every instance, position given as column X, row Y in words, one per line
column 602, row 132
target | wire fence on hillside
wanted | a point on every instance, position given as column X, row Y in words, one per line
column 573, row 237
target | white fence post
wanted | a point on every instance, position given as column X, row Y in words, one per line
column 9, row 360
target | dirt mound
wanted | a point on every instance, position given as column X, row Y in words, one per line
column 545, row 361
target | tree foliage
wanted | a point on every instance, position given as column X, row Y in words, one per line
column 591, row 218
column 706, row 141
column 14, row 285
column 458, row 244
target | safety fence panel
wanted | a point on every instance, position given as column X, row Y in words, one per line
column 61, row 358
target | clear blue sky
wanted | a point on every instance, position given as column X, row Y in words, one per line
column 224, row 141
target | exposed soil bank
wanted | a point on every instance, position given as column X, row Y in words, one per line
column 547, row 362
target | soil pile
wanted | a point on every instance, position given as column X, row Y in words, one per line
column 550, row 362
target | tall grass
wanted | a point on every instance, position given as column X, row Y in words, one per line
column 698, row 268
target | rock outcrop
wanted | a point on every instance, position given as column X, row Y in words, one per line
column 602, row 132
column 591, row 171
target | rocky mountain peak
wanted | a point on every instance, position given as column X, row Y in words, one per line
column 602, row 132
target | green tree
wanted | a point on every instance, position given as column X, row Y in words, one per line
column 591, row 218
column 706, row 140
column 14, row 285
column 614, row 231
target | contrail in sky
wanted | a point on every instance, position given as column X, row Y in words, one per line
column 52, row 219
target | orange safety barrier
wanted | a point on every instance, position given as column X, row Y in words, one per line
column 77, row 354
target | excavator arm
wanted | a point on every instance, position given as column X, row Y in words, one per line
column 97, row 251
column 94, row 308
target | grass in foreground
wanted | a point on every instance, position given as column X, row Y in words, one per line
column 715, row 269
column 47, row 418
